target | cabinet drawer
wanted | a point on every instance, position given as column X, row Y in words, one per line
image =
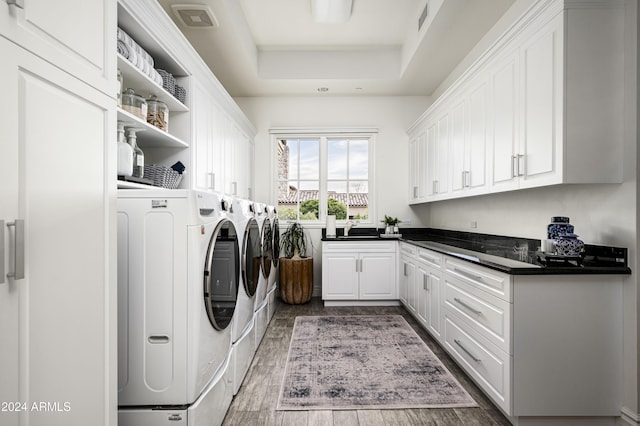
column 491, row 281
column 408, row 249
column 486, row 314
column 489, row 367
column 430, row 258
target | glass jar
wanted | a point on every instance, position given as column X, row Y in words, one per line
column 134, row 103
column 157, row 113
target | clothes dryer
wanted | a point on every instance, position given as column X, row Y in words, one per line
column 243, row 328
column 261, row 305
column 178, row 274
column 272, row 287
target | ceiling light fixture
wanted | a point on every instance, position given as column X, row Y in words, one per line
column 331, row 11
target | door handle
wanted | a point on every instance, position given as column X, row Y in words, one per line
column 18, row 247
column 17, row 3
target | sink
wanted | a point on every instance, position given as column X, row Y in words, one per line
column 358, row 237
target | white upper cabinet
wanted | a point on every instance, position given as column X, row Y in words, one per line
column 417, row 160
column 74, row 35
column 543, row 106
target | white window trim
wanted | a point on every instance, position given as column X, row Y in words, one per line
column 325, row 133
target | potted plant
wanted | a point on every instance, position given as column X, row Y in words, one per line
column 296, row 268
column 391, row 224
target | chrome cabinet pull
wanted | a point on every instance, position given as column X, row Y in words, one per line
column 17, row 3
column 520, row 170
column 18, row 247
column 415, row 192
column 234, row 185
column 425, row 282
column 212, row 181
column 468, row 275
column 467, row 351
column 404, row 272
column 466, row 305
column 514, row 166
column 1, row 251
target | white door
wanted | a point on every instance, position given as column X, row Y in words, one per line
column 475, row 174
column 57, row 321
column 433, row 285
column 422, row 293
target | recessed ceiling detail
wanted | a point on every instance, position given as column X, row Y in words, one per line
column 274, row 47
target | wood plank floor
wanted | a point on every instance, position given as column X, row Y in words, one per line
column 255, row 403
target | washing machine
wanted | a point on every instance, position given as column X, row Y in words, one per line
column 178, row 275
column 272, row 214
column 261, row 305
column 243, row 330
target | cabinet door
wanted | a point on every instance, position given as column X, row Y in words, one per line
column 208, row 141
column 505, row 125
column 422, row 288
column 433, row 284
column 340, row 276
column 431, row 144
column 75, row 35
column 442, row 154
column 458, row 145
column 58, row 319
column 406, row 269
column 540, row 150
column 417, row 166
column 475, row 176
column 378, row 276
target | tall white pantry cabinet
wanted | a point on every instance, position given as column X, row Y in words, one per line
column 57, row 251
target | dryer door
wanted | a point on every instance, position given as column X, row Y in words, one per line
column 251, row 254
column 267, row 247
column 221, row 275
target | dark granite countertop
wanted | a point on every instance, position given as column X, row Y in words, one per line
column 512, row 255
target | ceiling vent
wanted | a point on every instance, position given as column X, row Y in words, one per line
column 195, row 15
column 423, row 16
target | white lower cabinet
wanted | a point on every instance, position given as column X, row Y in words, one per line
column 528, row 341
column 353, row 271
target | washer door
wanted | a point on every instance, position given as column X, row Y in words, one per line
column 221, row 275
column 276, row 242
column 267, row 247
column 251, row 254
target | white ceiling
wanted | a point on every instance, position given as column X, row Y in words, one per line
column 273, row 47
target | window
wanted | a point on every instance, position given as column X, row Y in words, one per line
column 323, row 174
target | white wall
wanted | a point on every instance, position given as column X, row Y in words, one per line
column 391, row 115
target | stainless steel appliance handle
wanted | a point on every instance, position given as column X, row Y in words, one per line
column 467, row 351
column 18, row 247
column 466, row 305
column 1, row 251
column 17, row 3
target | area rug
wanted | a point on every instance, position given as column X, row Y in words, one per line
column 364, row 362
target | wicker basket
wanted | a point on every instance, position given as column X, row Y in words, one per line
column 168, row 81
column 162, row 176
column 180, row 93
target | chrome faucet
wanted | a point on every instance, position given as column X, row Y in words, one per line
column 350, row 224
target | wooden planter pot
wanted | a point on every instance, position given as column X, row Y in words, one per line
column 296, row 280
